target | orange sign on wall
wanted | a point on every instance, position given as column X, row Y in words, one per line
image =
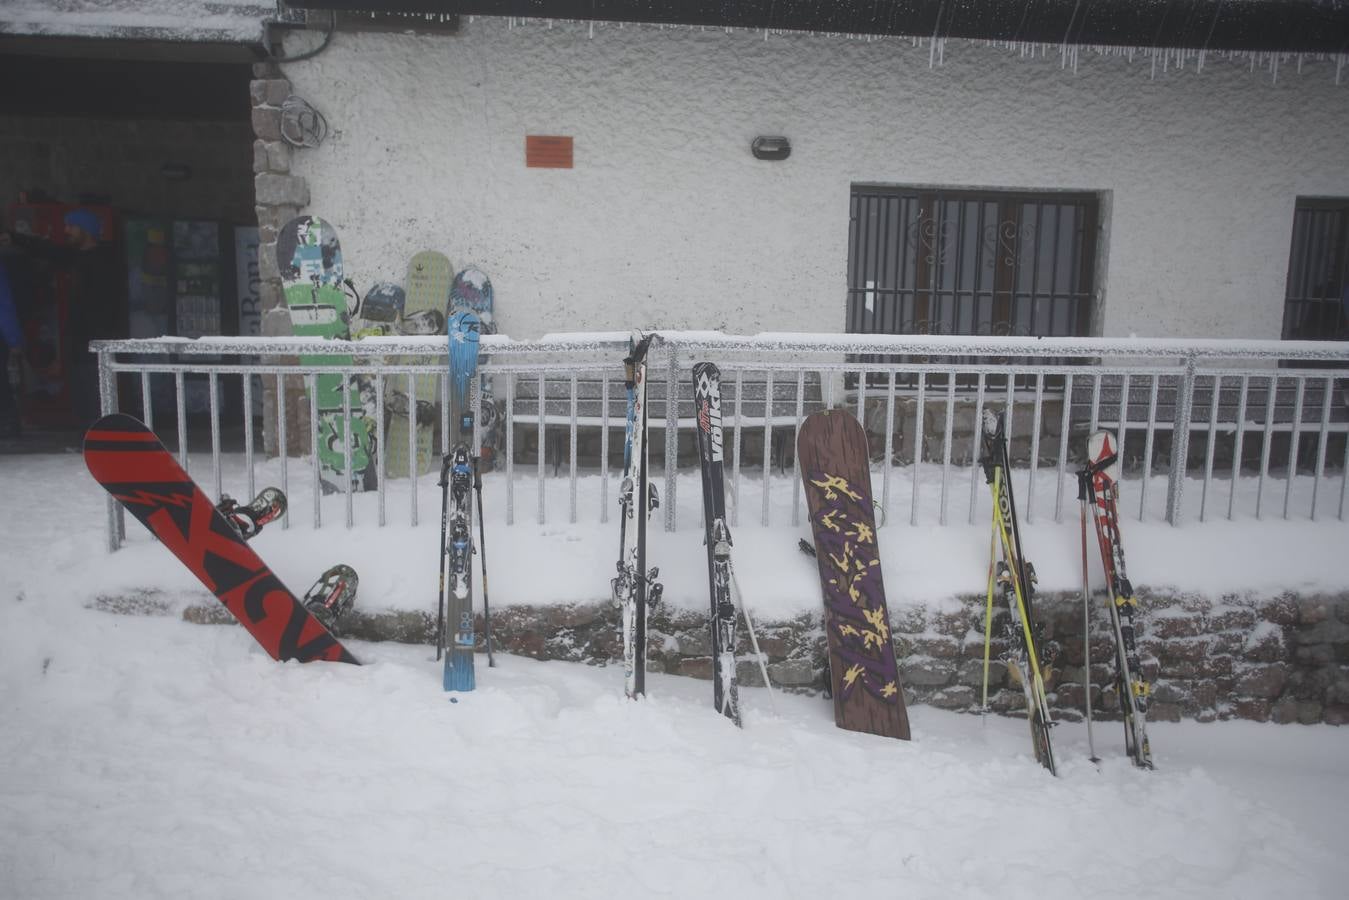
column 544, row 151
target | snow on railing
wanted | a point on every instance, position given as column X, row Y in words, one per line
column 921, row 397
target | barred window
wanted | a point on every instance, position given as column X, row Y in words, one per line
column 925, row 261
column 1316, row 299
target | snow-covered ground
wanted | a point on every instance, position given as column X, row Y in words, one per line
column 147, row 757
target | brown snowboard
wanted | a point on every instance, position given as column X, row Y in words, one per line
column 836, row 472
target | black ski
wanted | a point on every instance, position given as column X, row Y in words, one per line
column 634, row 587
column 707, row 411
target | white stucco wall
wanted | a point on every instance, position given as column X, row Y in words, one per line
column 667, row 221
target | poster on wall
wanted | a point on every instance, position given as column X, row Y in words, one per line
column 247, row 284
column 196, row 251
column 197, row 289
column 149, row 267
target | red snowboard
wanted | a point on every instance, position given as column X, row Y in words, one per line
column 129, row 461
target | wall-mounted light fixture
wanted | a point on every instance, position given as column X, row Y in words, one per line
column 771, row 147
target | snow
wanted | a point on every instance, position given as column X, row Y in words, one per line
column 190, row 20
column 146, row 757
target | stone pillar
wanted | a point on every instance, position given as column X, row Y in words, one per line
column 278, row 198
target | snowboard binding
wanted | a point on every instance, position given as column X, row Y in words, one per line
column 422, row 321
column 721, row 542
column 624, row 585
column 397, row 404
column 248, row 520
column 333, row 595
column 654, row 589
column 626, row 490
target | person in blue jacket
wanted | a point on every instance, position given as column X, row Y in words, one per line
column 11, row 352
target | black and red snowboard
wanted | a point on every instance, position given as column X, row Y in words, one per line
column 129, row 461
column 835, row 467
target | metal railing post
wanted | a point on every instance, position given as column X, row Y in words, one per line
column 671, row 436
column 1180, row 444
column 107, row 404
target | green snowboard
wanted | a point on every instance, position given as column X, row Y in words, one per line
column 310, row 259
column 427, row 292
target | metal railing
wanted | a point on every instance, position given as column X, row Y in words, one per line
column 1254, row 421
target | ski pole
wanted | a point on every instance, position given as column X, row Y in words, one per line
column 444, row 522
column 482, row 558
column 1083, row 493
column 988, row 609
column 754, row 642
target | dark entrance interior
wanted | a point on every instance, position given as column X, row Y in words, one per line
column 154, row 138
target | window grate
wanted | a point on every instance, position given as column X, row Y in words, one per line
column 953, row 262
column 1316, row 299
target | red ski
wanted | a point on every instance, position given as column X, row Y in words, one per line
column 129, row 461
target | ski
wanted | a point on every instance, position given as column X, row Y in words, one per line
column 131, row 464
column 1099, row 482
column 456, row 479
column 471, row 290
column 1013, row 577
column 707, row 412
column 634, row 587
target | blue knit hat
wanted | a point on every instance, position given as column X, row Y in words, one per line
column 86, row 221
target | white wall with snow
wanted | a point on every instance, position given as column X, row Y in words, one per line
column 667, row 220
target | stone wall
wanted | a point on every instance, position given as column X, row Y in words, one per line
column 279, row 196
column 1281, row 659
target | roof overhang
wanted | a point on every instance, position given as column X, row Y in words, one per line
column 197, row 23
column 1291, row 26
